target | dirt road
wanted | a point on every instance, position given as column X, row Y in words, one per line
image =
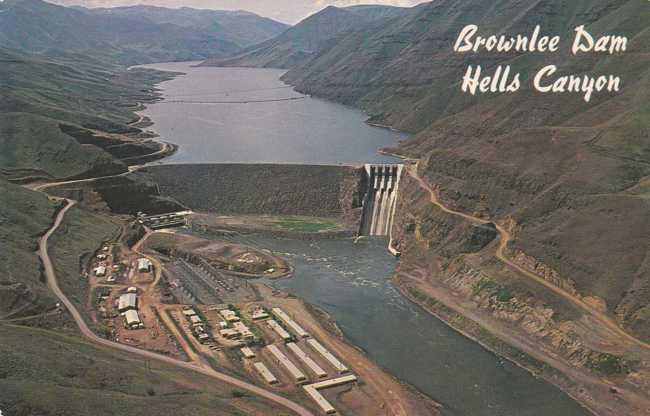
column 43, row 186
column 85, row 330
column 505, row 238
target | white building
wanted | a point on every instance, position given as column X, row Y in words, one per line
column 189, row 312
column 340, row 367
column 229, row 316
column 244, row 331
column 295, row 372
column 293, row 325
column 230, row 333
column 307, row 360
column 247, row 352
column 128, row 301
column 132, row 320
column 279, row 330
column 259, row 314
column 100, row 271
column 265, row 373
column 144, row 265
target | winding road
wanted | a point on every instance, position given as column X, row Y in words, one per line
column 90, row 335
column 505, row 238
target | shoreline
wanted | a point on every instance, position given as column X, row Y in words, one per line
column 452, row 317
column 447, row 321
column 409, row 401
column 439, row 309
column 168, row 149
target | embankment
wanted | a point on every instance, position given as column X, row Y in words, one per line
column 307, row 190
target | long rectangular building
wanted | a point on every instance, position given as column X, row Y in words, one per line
column 297, row 329
column 307, row 360
column 279, row 330
column 320, row 400
column 291, row 367
column 340, row 367
column 265, row 373
column 312, row 391
column 334, row 382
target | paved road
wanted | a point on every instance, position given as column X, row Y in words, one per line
column 54, row 286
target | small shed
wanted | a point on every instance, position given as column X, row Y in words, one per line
column 100, row 271
column 144, row 265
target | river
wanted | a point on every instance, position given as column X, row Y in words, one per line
column 350, row 281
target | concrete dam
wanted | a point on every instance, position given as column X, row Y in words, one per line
column 380, row 200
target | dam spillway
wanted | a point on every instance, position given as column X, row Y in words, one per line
column 380, row 200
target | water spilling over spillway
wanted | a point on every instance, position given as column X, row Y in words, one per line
column 381, row 199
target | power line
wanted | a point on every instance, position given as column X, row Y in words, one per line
column 231, row 92
column 231, row 102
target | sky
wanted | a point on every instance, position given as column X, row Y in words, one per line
column 288, row 11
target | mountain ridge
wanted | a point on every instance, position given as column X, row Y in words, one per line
column 300, row 42
column 129, row 36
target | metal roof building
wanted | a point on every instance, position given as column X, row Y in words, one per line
column 313, row 366
column 290, row 323
column 312, row 391
column 247, row 352
column 291, row 367
column 265, row 373
column 229, row 315
column 132, row 319
column 279, row 330
column 127, row 301
column 144, row 265
column 327, row 355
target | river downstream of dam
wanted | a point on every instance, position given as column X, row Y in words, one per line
column 347, row 279
column 351, row 282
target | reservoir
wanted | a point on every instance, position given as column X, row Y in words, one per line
column 248, row 115
column 349, row 281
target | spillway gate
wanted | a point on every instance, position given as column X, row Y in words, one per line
column 380, row 200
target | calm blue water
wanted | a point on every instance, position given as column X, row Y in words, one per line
column 308, row 130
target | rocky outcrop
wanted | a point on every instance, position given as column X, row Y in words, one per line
column 544, row 271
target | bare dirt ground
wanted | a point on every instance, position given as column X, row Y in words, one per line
column 167, row 330
column 231, row 258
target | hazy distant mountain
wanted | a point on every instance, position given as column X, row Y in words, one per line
column 130, row 35
column 241, row 27
column 302, row 41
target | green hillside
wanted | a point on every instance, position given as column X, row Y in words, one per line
column 47, row 373
column 39, row 94
column 24, row 215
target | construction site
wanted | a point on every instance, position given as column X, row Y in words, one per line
column 203, row 302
